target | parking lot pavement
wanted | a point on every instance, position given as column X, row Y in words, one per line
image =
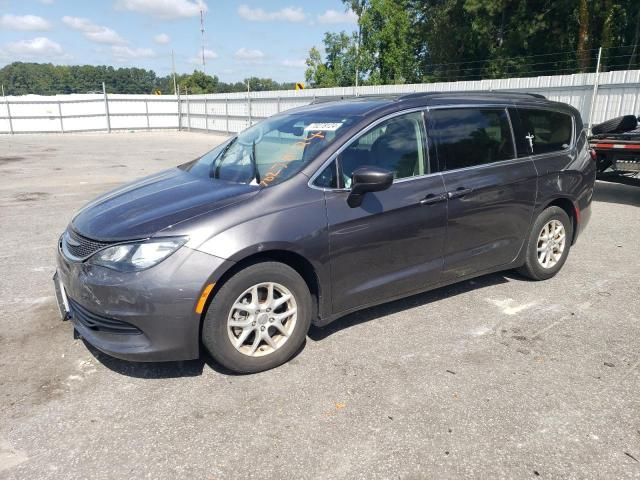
column 497, row 377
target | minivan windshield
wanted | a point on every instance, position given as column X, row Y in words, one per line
column 273, row 150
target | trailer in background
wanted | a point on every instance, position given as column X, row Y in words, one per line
column 616, row 144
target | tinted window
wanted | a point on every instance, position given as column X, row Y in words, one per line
column 396, row 145
column 522, row 144
column 328, row 178
column 465, row 137
column 546, row 131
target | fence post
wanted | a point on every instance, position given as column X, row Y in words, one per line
column 6, row 100
column 249, row 106
column 179, row 110
column 226, row 112
column 146, row 111
column 278, row 103
column 206, row 115
column 106, row 107
column 595, row 91
column 186, row 92
column 60, row 116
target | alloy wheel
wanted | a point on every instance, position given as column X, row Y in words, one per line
column 551, row 243
column 262, row 319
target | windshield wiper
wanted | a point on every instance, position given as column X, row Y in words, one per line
column 215, row 172
column 252, row 157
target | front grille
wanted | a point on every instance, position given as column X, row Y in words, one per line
column 81, row 247
column 99, row 323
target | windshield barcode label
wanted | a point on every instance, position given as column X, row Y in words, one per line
column 323, row 127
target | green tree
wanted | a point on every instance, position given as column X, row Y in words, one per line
column 388, row 40
column 199, row 82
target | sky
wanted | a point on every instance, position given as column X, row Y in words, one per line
column 264, row 38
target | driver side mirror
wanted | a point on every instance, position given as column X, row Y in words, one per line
column 368, row 179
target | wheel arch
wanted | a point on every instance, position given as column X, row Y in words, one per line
column 570, row 209
column 292, row 259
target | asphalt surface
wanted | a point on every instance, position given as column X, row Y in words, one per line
column 493, row 378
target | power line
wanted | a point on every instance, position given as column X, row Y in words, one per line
column 566, row 52
column 515, row 57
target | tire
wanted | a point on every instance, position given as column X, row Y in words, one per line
column 533, row 267
column 616, row 125
column 253, row 318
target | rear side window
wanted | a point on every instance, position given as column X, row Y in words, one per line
column 466, row 137
column 545, row 131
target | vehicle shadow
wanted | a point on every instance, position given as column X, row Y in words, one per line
column 163, row 370
column 149, row 370
column 194, row 368
column 421, row 299
column 616, row 189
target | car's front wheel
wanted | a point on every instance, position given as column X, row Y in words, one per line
column 258, row 319
column 548, row 245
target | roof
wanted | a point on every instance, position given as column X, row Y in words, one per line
column 381, row 105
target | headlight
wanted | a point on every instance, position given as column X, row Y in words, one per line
column 130, row 257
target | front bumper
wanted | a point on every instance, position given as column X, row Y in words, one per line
column 143, row 316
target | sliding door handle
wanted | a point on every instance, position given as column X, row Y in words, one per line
column 431, row 199
column 460, row 192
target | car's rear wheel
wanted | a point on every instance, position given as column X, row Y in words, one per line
column 258, row 319
column 549, row 244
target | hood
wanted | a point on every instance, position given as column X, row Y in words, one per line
column 142, row 208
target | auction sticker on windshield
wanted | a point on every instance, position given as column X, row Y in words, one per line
column 323, row 127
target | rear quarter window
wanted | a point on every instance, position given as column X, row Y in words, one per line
column 545, row 131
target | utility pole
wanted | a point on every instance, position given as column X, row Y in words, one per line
column 173, row 70
column 359, row 11
column 357, row 56
column 595, row 91
column 202, row 32
column 249, row 102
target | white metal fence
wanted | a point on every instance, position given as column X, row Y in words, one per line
column 618, row 93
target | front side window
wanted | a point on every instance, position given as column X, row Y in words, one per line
column 466, row 137
column 273, row 150
column 546, row 131
column 328, row 177
column 396, row 145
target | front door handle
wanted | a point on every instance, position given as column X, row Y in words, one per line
column 431, row 199
column 459, row 192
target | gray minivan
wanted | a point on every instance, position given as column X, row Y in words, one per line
column 321, row 211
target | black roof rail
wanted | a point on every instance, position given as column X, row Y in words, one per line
column 363, row 97
column 472, row 92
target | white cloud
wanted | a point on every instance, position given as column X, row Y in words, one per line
column 164, row 9
column 293, row 63
column 92, row 32
column 24, row 22
column 208, row 55
column 249, row 55
column 38, row 47
column 334, row 16
column 288, row 14
column 162, row 39
column 123, row 53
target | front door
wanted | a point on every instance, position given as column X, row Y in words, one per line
column 392, row 244
column 491, row 193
